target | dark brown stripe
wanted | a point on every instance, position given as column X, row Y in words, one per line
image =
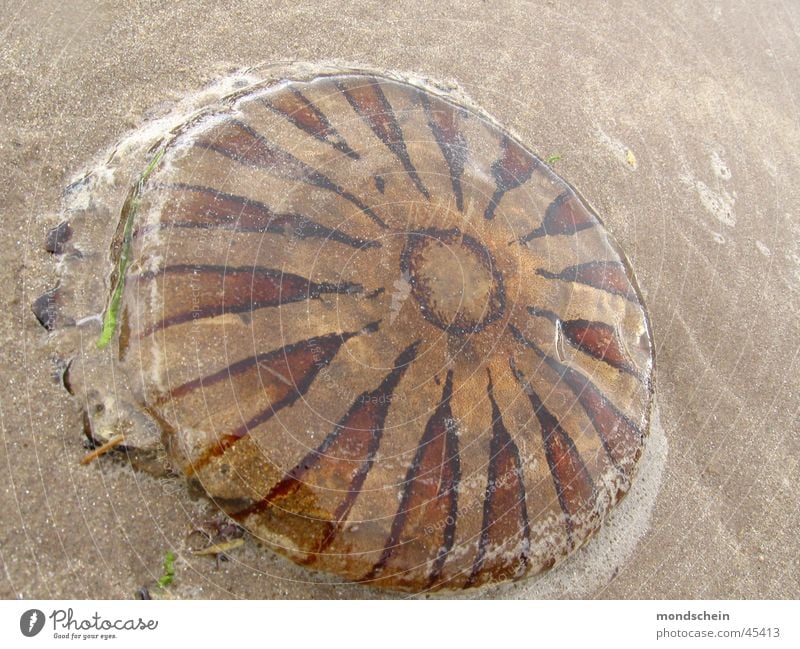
column 353, row 443
column 239, row 142
column 597, row 339
column 289, row 365
column 505, row 512
column 514, row 168
column 564, row 216
column 301, row 112
column 574, row 486
column 210, row 290
column 210, row 209
column 430, row 497
column 453, row 144
column 617, row 433
column 284, row 375
column 606, row 276
column 369, row 102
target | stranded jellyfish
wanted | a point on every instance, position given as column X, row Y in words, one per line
column 374, row 329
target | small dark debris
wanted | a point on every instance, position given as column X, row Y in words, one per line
column 57, row 238
column 65, row 378
column 74, row 186
column 217, row 530
column 45, row 308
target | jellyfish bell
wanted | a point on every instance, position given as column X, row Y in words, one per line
column 371, row 326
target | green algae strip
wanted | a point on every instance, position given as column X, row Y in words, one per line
column 169, row 570
column 132, row 208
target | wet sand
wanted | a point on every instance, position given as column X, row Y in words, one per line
column 678, row 124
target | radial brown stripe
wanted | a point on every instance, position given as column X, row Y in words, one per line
column 574, row 486
column 505, row 512
column 600, row 340
column 353, row 443
column 565, row 215
column 199, row 207
column 430, row 499
column 617, row 433
column 514, row 167
column 369, row 102
column 597, row 339
column 453, row 144
column 606, row 276
column 301, row 112
column 284, row 375
column 214, row 290
column 239, row 142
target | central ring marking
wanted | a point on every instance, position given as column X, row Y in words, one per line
column 454, row 279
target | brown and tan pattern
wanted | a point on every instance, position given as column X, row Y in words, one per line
column 384, row 336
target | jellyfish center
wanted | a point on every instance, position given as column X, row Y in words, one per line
column 453, row 279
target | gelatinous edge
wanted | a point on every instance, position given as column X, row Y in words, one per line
column 181, row 121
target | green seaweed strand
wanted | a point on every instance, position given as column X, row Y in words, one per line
column 169, row 570
column 112, row 312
